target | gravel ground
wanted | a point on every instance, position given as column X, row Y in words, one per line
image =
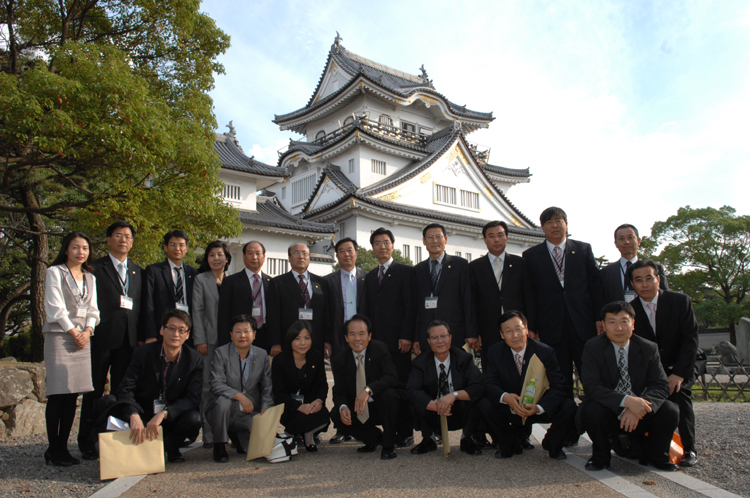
column 723, row 431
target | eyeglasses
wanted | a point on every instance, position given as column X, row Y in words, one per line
column 119, row 236
column 386, row 243
column 640, row 280
column 437, row 338
column 301, row 254
column 435, row 237
column 173, row 330
column 515, row 331
column 179, row 246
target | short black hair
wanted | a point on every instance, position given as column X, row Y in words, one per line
column 493, row 224
column 180, row 315
column 176, row 234
column 438, row 323
column 616, row 307
column 382, row 231
column 509, row 315
column 361, row 318
column 433, row 225
column 344, row 241
column 289, row 249
column 551, row 213
column 243, row 319
column 120, row 224
column 642, row 263
column 244, row 248
column 295, row 329
column 204, row 267
column 627, row 225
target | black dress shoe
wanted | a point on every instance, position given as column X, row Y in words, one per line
column 690, row 459
column 175, row 456
column 370, row 447
column 569, row 443
column 51, row 458
column 66, row 456
column 311, row 448
column 316, row 439
column 401, row 442
column 90, row 455
column 240, row 451
column 480, row 441
column 427, row 445
column 526, row 444
column 595, row 466
column 388, row 453
column 339, row 438
column 558, row 455
column 220, row 453
column 666, row 466
column 468, row 447
column 504, row 453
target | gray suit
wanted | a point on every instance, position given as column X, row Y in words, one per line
column 225, row 414
column 205, row 314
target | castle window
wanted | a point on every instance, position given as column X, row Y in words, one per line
column 378, row 167
column 276, row 266
column 302, row 188
column 385, row 119
column 445, row 195
column 417, row 254
column 469, row 200
column 231, row 192
column 351, row 165
column 406, row 252
column 408, row 127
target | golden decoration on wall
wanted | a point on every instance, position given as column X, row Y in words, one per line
column 390, row 197
column 516, row 221
column 424, row 98
column 489, row 193
column 457, row 152
column 425, row 178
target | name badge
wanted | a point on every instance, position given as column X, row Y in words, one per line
column 629, row 296
column 430, row 303
column 159, row 405
column 256, row 311
column 81, row 311
column 182, row 307
column 298, row 397
column 126, row 302
column 305, row 314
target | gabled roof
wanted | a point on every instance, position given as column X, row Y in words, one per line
column 501, row 170
column 334, row 173
column 232, row 157
column 269, row 213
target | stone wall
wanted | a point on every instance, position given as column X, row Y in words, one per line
column 22, row 398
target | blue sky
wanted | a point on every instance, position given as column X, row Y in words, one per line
column 624, row 111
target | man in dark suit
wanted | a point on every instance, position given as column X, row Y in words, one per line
column 499, row 282
column 507, row 363
column 347, row 291
column 389, row 302
column 667, row 318
column 626, row 391
column 444, row 382
column 366, row 390
column 246, row 293
column 568, row 292
column 162, row 386
column 443, row 292
column 617, row 286
column 300, row 295
column 118, row 295
column 168, row 285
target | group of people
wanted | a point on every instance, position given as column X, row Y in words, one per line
column 217, row 350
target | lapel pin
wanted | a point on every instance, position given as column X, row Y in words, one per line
column 510, row 266
column 572, row 252
column 449, row 267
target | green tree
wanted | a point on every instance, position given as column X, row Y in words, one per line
column 706, row 253
column 366, row 259
column 105, row 115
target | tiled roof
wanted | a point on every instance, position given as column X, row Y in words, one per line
column 269, row 213
column 233, row 158
column 338, row 178
column 525, row 173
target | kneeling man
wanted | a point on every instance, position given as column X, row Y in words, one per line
column 616, row 366
column 444, row 381
column 240, row 387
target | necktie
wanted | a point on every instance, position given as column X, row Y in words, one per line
column 361, row 383
column 626, row 279
column 497, row 267
column 623, row 385
column 433, row 273
column 350, row 298
column 381, row 274
column 443, row 381
column 303, row 290
column 519, row 363
column 123, row 277
column 178, row 292
column 557, row 253
column 652, row 315
column 258, row 298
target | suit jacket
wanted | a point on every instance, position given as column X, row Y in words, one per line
column 116, row 323
column 455, row 305
column 380, row 372
column 676, row 332
column 226, row 380
column 286, row 380
column 236, row 298
column 501, row 375
column 390, row 305
column 205, row 309
column 490, row 301
column 582, row 296
column 158, row 295
column 612, row 279
column 283, row 308
column 336, row 305
column 423, row 379
column 600, row 373
column 143, row 381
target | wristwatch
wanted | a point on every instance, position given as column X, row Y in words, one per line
column 368, row 390
column 455, row 393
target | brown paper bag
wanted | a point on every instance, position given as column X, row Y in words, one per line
column 535, row 370
column 263, row 434
column 119, row 457
column 445, row 435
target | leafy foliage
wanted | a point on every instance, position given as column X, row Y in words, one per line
column 366, row 259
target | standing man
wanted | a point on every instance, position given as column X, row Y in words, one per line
column 389, row 302
column 443, row 292
column 118, row 292
column 615, row 275
column 246, row 293
column 300, row 295
column 499, row 282
column 667, row 318
column 168, row 285
column 568, row 292
column 347, row 290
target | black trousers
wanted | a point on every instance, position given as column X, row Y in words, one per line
column 296, row 422
column 464, row 416
column 403, row 364
column 687, row 417
column 506, row 428
column 384, row 410
column 600, row 422
column 569, row 351
column 114, row 362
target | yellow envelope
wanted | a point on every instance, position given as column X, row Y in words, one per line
column 119, row 457
column 535, row 370
column 445, row 435
column 263, row 434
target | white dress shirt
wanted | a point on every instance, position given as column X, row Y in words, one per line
column 307, row 279
column 250, row 276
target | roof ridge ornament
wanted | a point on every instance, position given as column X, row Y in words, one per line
column 423, row 75
column 232, row 132
column 337, row 41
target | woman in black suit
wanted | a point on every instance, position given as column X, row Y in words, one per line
column 299, row 381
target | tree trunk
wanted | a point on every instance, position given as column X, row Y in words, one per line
column 38, row 265
column 7, row 305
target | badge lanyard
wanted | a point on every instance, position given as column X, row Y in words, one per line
column 79, row 296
